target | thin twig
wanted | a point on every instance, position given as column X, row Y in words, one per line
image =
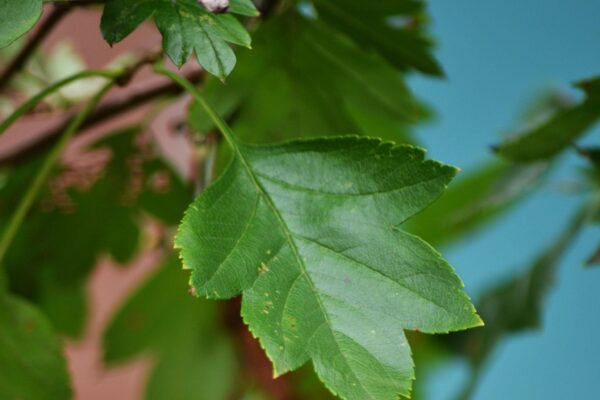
column 59, row 11
column 28, row 105
column 103, row 113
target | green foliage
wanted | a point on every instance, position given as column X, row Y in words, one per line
column 298, row 68
column 106, row 215
column 16, row 18
column 471, row 202
column 516, row 305
column 382, row 26
column 160, row 319
column 31, row 358
column 186, row 28
column 557, row 133
column 308, row 232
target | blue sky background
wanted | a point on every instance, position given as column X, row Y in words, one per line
column 498, row 55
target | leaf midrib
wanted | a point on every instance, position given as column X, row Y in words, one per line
column 298, row 188
column 380, row 273
column 289, row 238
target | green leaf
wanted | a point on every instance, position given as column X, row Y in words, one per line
column 558, row 132
column 243, row 7
column 64, row 302
column 31, row 361
column 106, row 213
column 16, row 18
column 516, row 305
column 297, row 69
column 308, row 231
column 368, row 24
column 254, row 395
column 195, row 359
column 594, row 259
column 186, row 28
column 474, row 200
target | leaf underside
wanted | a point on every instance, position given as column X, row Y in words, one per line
column 307, row 231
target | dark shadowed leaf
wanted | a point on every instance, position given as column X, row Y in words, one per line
column 297, row 82
column 371, row 25
column 94, row 219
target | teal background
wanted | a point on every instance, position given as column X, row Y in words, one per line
column 498, row 55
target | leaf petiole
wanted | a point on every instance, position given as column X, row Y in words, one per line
column 191, row 89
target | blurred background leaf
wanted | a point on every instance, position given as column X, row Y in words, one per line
column 515, row 305
column 95, row 212
column 31, row 359
column 552, row 136
column 475, row 199
column 194, row 356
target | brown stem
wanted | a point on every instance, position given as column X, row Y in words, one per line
column 106, row 111
column 59, row 11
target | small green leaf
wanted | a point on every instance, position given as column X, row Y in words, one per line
column 16, row 18
column 243, row 7
column 308, row 231
column 186, row 28
column 557, row 133
column 110, row 207
column 32, row 366
column 231, row 30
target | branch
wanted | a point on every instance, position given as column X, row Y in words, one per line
column 58, row 13
column 104, row 112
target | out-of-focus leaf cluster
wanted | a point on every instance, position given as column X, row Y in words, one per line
column 311, row 74
column 82, row 215
column 551, row 127
column 193, row 357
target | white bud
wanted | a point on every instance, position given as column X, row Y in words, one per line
column 216, row 6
